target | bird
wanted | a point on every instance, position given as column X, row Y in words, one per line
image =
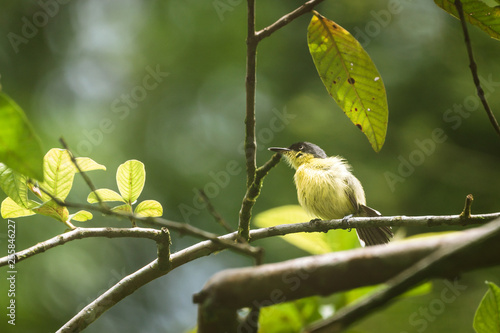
column 327, row 189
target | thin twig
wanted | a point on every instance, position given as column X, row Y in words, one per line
column 305, row 8
column 466, row 213
column 473, row 68
column 82, row 173
column 211, row 209
column 251, row 195
column 158, row 221
column 250, row 142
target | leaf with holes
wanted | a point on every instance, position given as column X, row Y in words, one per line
column 130, row 178
column 350, row 77
column 476, row 13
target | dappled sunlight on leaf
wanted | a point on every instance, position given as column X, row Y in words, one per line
column 350, row 77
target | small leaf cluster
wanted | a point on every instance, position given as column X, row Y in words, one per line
column 58, row 175
column 130, row 178
column 28, row 197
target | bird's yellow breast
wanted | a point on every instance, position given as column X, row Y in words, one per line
column 325, row 188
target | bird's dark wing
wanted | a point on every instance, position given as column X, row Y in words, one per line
column 349, row 191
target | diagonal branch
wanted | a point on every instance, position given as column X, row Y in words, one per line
column 211, row 209
column 305, row 8
column 251, row 196
column 438, row 256
column 410, row 277
column 473, row 69
column 81, row 233
column 158, row 221
column 148, row 273
column 82, row 173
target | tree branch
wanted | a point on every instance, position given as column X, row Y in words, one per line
column 473, row 69
column 250, row 142
column 81, row 233
column 158, row 221
column 253, row 40
column 82, row 173
column 251, row 196
column 305, row 8
column 269, row 284
column 148, row 273
column 211, row 209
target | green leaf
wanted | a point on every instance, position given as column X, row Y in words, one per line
column 10, row 209
column 105, row 195
column 125, row 208
column 81, row 216
column 52, row 209
column 350, row 77
column 88, row 164
column 487, row 318
column 476, row 12
column 59, row 172
column 314, row 243
column 150, row 208
column 290, row 316
column 14, row 185
column 20, row 147
column 130, row 178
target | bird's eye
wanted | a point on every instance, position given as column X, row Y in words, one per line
column 301, row 148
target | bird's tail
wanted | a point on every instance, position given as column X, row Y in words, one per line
column 373, row 235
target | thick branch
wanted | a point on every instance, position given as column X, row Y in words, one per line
column 148, row 273
column 448, row 257
column 326, row 274
column 473, row 69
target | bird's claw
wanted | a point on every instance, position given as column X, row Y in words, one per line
column 315, row 221
column 345, row 222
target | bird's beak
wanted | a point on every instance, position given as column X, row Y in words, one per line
column 278, row 150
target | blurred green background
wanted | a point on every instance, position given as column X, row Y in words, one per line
column 82, row 70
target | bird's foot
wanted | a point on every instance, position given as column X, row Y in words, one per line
column 345, row 222
column 315, row 221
